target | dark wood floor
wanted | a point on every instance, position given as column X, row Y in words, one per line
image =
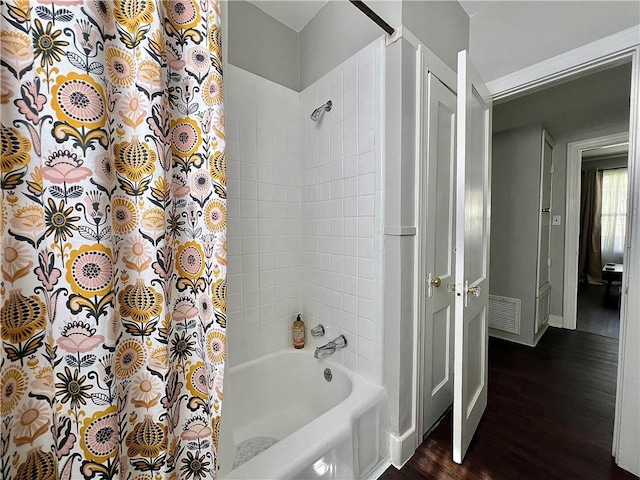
column 549, row 416
column 598, row 312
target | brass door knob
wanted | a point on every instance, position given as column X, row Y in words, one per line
column 436, row 282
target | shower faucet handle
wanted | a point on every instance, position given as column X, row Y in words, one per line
column 317, row 331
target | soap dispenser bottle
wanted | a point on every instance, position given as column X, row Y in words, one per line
column 298, row 333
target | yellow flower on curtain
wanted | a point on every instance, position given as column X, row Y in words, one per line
column 190, row 260
column 216, row 216
column 38, row 465
column 197, row 380
column 79, row 101
column 219, row 295
column 99, row 435
column 140, row 302
column 90, row 270
column 13, row 385
column 130, row 356
column 186, row 136
column 21, row 317
column 135, row 159
column 121, row 66
column 124, row 215
column 212, row 90
column 147, row 439
column 14, row 149
column 216, row 346
column 132, row 14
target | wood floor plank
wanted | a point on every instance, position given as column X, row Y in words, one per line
column 549, row 416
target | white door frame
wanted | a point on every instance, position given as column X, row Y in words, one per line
column 605, row 53
column 572, row 220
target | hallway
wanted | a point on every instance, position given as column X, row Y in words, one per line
column 549, row 416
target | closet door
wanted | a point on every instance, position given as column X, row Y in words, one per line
column 543, row 294
column 438, row 210
column 544, row 237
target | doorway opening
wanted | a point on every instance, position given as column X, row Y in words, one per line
column 603, row 210
column 589, row 117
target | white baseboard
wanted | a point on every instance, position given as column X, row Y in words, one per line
column 402, row 448
column 556, row 321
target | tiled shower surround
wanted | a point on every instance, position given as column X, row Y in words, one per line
column 305, row 217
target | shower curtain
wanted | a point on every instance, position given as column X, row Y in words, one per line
column 112, row 235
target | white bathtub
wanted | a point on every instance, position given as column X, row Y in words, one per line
column 319, row 429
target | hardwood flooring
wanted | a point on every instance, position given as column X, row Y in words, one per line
column 549, row 416
column 598, row 313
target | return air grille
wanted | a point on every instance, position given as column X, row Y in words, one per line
column 504, row 314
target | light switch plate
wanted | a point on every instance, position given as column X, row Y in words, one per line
column 557, row 220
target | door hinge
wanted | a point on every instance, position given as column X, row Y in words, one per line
column 553, row 168
column 548, row 262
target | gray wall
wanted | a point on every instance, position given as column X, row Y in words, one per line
column 511, row 35
column 337, row 32
column 264, row 46
column 515, row 204
column 260, row 44
column 442, row 26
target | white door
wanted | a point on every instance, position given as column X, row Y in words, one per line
column 438, row 237
column 546, row 182
column 543, row 294
column 472, row 254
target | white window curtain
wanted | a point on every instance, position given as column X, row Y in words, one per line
column 614, row 214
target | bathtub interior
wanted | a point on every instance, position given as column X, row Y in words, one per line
column 292, row 393
column 305, row 436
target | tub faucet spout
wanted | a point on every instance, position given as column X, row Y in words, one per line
column 331, row 347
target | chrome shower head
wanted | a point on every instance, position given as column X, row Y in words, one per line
column 315, row 115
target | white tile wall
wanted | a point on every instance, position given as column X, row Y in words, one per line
column 264, row 171
column 341, row 199
column 305, row 217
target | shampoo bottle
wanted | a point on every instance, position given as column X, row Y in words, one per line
column 298, row 333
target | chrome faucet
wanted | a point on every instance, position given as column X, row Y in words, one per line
column 317, row 331
column 331, row 347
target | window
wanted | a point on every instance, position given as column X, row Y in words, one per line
column 614, row 214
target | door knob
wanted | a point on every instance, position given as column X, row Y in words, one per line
column 546, row 210
column 475, row 291
column 432, row 282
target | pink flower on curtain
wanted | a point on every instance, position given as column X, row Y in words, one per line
column 64, row 166
column 78, row 337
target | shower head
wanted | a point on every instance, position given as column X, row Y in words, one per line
column 318, row 111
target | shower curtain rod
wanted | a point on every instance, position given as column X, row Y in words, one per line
column 360, row 5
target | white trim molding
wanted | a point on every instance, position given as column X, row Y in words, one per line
column 572, row 221
column 556, row 321
column 582, row 60
column 402, row 448
column 399, row 231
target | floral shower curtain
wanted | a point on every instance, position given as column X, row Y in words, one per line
column 112, row 235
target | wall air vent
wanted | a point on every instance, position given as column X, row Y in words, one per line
column 504, row 314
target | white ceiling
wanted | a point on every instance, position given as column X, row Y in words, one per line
column 293, row 14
